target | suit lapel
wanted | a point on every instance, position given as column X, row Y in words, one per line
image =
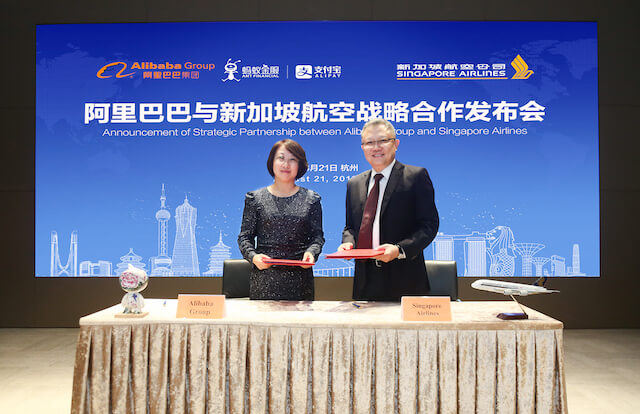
column 394, row 179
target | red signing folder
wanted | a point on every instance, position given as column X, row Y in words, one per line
column 287, row 262
column 356, row 254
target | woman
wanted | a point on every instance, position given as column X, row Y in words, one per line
column 282, row 221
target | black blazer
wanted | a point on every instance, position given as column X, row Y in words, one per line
column 408, row 218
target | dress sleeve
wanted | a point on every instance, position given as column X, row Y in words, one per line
column 247, row 236
column 316, row 235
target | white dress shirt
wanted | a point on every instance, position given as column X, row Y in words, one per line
column 375, row 241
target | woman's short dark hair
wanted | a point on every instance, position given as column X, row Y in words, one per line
column 295, row 149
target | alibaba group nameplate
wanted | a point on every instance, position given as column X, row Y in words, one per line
column 200, row 306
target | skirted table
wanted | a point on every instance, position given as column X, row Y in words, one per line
column 319, row 357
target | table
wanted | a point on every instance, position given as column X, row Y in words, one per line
column 319, row 357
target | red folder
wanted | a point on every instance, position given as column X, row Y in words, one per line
column 356, row 254
column 287, row 262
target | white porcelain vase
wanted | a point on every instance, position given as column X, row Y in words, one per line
column 133, row 280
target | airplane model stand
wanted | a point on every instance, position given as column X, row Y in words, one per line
column 508, row 316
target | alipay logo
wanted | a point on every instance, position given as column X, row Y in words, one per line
column 304, row 71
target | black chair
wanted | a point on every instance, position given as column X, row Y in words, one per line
column 443, row 278
column 235, row 278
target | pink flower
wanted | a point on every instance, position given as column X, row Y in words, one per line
column 129, row 280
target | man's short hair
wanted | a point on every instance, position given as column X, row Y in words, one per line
column 295, row 149
column 379, row 121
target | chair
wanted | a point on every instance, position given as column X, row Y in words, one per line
column 235, row 278
column 443, row 278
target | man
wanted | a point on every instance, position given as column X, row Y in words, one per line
column 401, row 218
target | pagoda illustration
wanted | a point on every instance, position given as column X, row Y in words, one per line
column 217, row 255
column 129, row 259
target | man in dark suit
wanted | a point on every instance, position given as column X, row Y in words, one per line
column 392, row 207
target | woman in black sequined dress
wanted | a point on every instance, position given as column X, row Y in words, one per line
column 282, row 221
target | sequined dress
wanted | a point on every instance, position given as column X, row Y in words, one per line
column 281, row 228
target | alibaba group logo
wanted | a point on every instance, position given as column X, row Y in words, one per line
column 521, row 67
column 118, row 74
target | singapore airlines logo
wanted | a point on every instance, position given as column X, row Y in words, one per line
column 521, row 67
column 468, row 71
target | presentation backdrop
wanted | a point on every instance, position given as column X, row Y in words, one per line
column 148, row 136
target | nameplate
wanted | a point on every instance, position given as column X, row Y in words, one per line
column 200, row 306
column 426, row 308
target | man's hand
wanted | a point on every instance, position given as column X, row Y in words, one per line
column 345, row 246
column 257, row 261
column 308, row 257
column 391, row 252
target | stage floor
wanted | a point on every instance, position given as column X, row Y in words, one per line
column 602, row 370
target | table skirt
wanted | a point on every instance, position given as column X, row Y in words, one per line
column 212, row 368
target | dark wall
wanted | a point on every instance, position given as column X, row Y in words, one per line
column 610, row 301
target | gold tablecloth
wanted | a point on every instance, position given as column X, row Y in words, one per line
column 319, row 357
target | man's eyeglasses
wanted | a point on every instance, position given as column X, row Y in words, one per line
column 380, row 142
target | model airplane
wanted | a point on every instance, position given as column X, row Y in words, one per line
column 509, row 288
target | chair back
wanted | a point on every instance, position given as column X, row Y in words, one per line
column 235, row 278
column 443, row 278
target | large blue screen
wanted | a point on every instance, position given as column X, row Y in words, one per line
column 148, row 136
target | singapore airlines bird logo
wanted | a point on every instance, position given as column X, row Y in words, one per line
column 521, row 67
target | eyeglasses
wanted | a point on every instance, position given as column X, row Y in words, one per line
column 282, row 160
column 380, row 142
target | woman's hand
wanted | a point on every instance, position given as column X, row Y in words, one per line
column 308, row 257
column 257, row 261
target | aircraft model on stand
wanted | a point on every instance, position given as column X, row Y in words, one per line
column 511, row 289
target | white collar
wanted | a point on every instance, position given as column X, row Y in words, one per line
column 386, row 172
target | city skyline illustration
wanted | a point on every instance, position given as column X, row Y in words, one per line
column 493, row 253
column 182, row 262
